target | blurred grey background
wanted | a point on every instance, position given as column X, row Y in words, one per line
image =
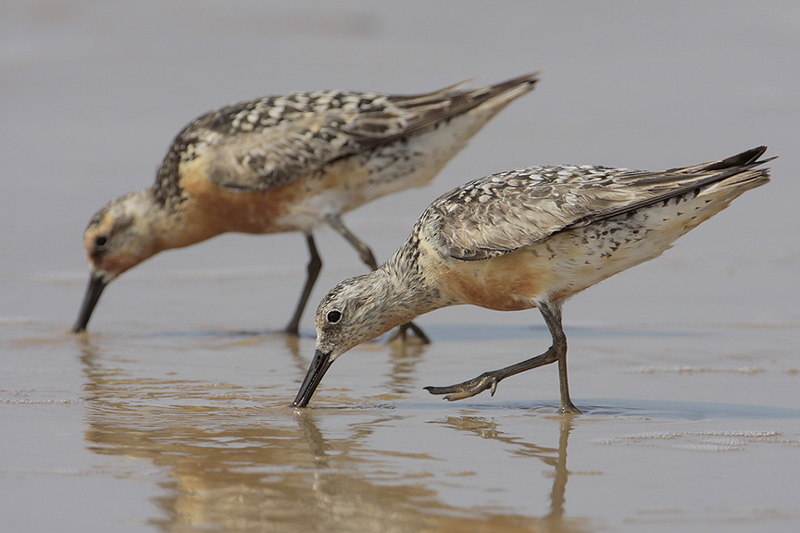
column 92, row 92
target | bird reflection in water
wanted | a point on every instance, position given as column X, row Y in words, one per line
column 556, row 458
column 228, row 457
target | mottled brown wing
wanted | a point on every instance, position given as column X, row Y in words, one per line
column 275, row 156
column 270, row 157
column 503, row 212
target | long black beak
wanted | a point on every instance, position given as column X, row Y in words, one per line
column 93, row 292
column 319, row 365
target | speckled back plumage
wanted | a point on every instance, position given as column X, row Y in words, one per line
column 503, row 212
column 265, row 143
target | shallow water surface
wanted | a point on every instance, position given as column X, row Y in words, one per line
column 172, row 413
column 194, row 431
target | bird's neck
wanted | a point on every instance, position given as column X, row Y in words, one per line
column 176, row 225
column 410, row 291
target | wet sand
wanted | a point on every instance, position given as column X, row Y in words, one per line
column 172, row 413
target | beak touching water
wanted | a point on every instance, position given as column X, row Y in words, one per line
column 93, row 292
column 319, row 365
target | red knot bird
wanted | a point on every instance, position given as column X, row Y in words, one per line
column 287, row 163
column 524, row 239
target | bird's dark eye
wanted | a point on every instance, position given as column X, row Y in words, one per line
column 334, row 316
column 101, row 240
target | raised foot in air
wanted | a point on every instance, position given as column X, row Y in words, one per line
column 467, row 389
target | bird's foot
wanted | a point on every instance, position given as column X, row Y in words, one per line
column 467, row 389
column 401, row 334
column 569, row 408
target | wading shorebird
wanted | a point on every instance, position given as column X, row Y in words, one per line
column 522, row 239
column 287, row 163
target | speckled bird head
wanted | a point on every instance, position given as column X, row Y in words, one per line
column 119, row 236
column 355, row 311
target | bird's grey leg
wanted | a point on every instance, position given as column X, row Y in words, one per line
column 366, row 255
column 313, row 268
column 364, row 251
column 489, row 380
column 552, row 317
